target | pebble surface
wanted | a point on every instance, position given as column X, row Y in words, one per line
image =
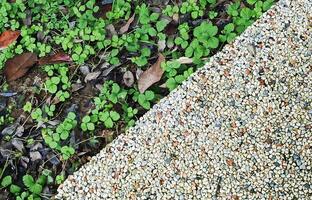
column 239, row 128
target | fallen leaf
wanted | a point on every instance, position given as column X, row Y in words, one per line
column 7, row 38
column 185, row 60
column 35, row 147
column 24, row 161
column 76, row 86
column 18, row 144
column 230, row 162
column 8, row 94
column 107, row 71
column 176, row 17
column 59, row 57
column 19, row 65
column 84, row 69
column 161, row 45
column 125, row 28
column 111, row 29
column 138, row 73
column 35, row 155
column 151, row 75
column 128, row 78
column 92, row 76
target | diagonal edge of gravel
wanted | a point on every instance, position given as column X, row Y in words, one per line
column 240, row 128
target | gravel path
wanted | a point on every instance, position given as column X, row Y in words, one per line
column 240, row 128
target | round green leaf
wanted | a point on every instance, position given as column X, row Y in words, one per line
column 6, row 181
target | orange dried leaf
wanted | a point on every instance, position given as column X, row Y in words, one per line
column 19, row 65
column 151, row 75
column 59, row 57
column 7, row 38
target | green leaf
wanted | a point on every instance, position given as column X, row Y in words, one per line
column 103, row 116
column 86, row 119
column 179, row 78
column 122, row 95
column 36, row 188
column 15, row 189
column 149, row 95
column 28, row 180
column 53, row 145
column 115, row 88
column 56, row 137
column 146, row 52
column 146, row 105
column 55, row 80
column 213, row 42
column 229, row 28
column 71, row 150
column 189, row 52
column 114, row 115
column 109, row 123
column 154, row 17
column 6, row 181
column 152, row 32
column 161, row 25
column 64, row 135
column 251, row 2
column 171, row 83
column 41, row 180
column 90, row 126
column 194, row 14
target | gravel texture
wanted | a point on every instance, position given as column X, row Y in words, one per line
column 240, row 128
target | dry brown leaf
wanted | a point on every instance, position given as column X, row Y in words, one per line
column 125, row 28
column 230, row 162
column 185, row 60
column 18, row 66
column 128, row 78
column 151, row 75
column 7, row 38
column 59, row 57
column 92, row 76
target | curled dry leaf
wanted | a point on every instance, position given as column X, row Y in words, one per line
column 151, row 75
column 7, row 38
column 92, row 76
column 111, row 29
column 59, row 57
column 185, row 60
column 128, row 78
column 125, row 28
column 138, row 73
column 19, row 65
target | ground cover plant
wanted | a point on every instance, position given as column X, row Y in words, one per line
column 75, row 74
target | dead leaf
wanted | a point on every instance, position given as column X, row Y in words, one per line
column 19, row 65
column 230, row 162
column 125, row 28
column 161, row 45
column 176, row 17
column 76, row 86
column 59, row 57
column 138, row 73
column 35, row 155
column 185, row 60
column 92, row 76
column 128, row 78
column 7, row 38
column 18, row 144
column 111, row 29
column 151, row 75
